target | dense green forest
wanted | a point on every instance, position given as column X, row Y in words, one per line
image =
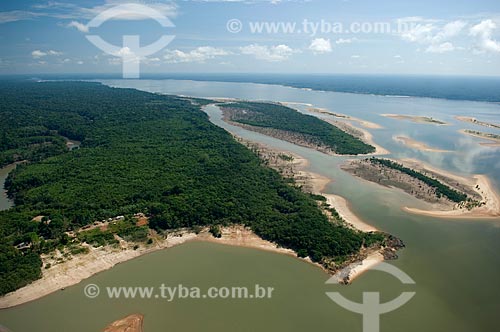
column 284, row 118
column 441, row 189
column 140, row 152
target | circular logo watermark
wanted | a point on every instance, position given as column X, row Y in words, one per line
column 234, row 25
column 371, row 308
column 91, row 291
column 131, row 52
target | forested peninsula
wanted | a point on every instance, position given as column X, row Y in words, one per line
column 147, row 164
column 290, row 125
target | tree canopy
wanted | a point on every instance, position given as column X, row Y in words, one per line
column 140, row 152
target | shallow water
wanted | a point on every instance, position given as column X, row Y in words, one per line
column 455, row 263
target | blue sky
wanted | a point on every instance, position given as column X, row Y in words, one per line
column 399, row 37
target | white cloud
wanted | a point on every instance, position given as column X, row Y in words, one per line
column 320, row 45
column 440, row 48
column 274, row 2
column 79, row 26
column 344, row 41
column 450, row 30
column 52, row 52
column 268, row 53
column 428, row 32
column 414, row 20
column 37, row 54
column 483, row 32
column 355, row 56
column 129, row 11
column 200, row 55
column 419, row 33
column 71, row 11
column 17, row 15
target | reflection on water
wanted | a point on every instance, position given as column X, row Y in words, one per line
column 455, row 263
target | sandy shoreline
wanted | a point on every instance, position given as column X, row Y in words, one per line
column 494, row 142
column 472, row 120
column 81, row 267
column 478, row 183
column 317, row 185
column 491, row 210
column 343, row 208
column 343, row 125
column 356, row 269
column 365, row 136
column 363, row 123
column 421, row 146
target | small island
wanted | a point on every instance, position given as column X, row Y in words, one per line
column 450, row 195
column 477, row 122
column 487, row 136
column 131, row 323
column 415, row 118
column 364, row 123
column 290, row 125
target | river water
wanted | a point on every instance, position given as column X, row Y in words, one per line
column 5, row 202
column 455, row 263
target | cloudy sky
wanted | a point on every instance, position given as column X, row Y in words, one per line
column 460, row 37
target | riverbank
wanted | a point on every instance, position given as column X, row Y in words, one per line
column 477, row 122
column 80, row 267
column 482, row 200
column 363, row 123
column 349, row 136
column 363, row 134
column 480, row 184
column 495, row 139
column 297, row 167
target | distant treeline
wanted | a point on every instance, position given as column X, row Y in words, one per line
column 441, row 189
column 140, row 152
column 287, row 119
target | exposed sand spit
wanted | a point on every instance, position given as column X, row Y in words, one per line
column 416, row 144
column 131, row 323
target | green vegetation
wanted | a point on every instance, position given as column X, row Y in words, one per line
column 97, row 238
column 215, row 231
column 140, row 152
column 284, row 118
column 481, row 134
column 432, row 120
column 441, row 189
